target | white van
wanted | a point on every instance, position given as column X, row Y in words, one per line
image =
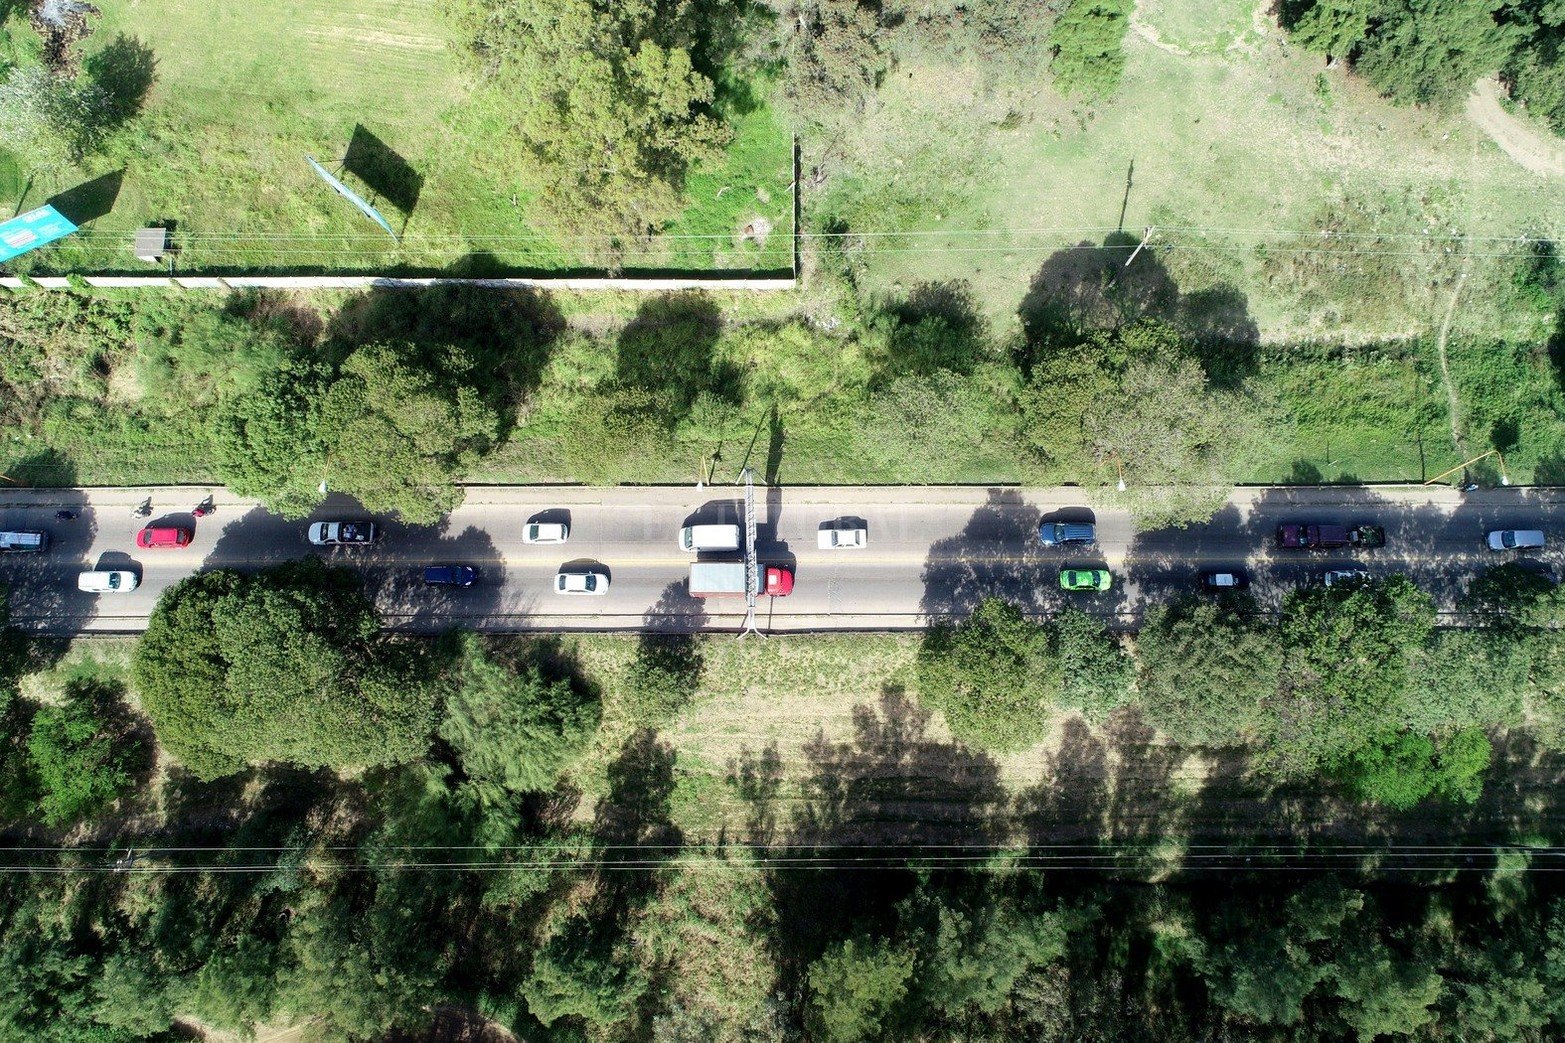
column 23, row 541
column 709, row 537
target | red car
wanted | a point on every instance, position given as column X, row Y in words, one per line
column 162, row 536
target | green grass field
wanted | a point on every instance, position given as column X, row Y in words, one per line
column 242, row 93
column 1244, row 147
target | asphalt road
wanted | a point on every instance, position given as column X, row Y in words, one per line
column 932, row 551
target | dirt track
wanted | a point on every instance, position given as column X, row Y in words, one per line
column 1537, row 151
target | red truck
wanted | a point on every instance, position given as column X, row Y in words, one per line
column 1329, row 537
column 725, row 579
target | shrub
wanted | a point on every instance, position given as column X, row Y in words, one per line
column 52, row 120
column 81, row 764
column 1088, row 43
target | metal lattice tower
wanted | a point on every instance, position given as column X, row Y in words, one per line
column 752, row 570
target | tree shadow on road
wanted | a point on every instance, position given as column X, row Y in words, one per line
column 981, row 562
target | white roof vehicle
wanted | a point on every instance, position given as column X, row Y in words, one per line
column 351, row 533
column 106, row 581
column 581, row 583
column 545, row 532
column 1336, row 577
column 842, row 536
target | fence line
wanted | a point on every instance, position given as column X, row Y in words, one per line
column 365, row 282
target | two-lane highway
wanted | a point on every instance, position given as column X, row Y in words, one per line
column 932, row 551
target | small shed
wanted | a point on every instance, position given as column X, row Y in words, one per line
column 151, row 244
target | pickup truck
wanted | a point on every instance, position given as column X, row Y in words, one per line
column 725, row 579
column 1329, row 537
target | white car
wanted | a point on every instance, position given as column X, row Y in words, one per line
column 545, row 532
column 345, row 533
column 842, row 537
column 1515, row 539
column 106, row 581
column 581, row 583
column 1337, row 577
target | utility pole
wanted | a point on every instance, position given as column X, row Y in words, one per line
column 1143, row 245
column 752, row 570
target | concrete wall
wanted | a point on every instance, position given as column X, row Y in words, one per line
column 364, row 282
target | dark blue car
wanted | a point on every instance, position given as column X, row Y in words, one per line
column 450, row 575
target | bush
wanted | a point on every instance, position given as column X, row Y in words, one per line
column 80, row 761
column 1088, row 44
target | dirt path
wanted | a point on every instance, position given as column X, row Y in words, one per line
column 1538, row 151
column 1445, row 370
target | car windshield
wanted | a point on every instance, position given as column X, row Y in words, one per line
column 114, row 581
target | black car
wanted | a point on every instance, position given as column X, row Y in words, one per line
column 450, row 575
column 1219, row 581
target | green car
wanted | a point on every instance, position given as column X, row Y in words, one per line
column 1085, row 579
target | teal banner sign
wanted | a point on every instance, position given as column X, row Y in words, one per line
column 30, row 231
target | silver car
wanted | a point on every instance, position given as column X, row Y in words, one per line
column 581, row 583
column 1516, row 539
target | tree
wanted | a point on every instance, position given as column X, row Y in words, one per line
column 81, row 764
column 281, row 665
column 606, row 100
column 1265, row 963
column 855, row 985
column 991, row 675
column 1383, row 992
column 1095, row 674
column 1207, row 670
column 1088, row 41
column 1400, row 769
column 834, row 57
column 1414, row 51
column 270, row 443
column 1347, row 661
column 972, row 953
column 513, row 730
column 51, row 119
column 1176, row 439
column 400, row 429
column 1431, row 51
column 580, row 972
column 393, row 427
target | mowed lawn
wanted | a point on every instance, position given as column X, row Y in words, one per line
column 1243, row 148
column 244, row 92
